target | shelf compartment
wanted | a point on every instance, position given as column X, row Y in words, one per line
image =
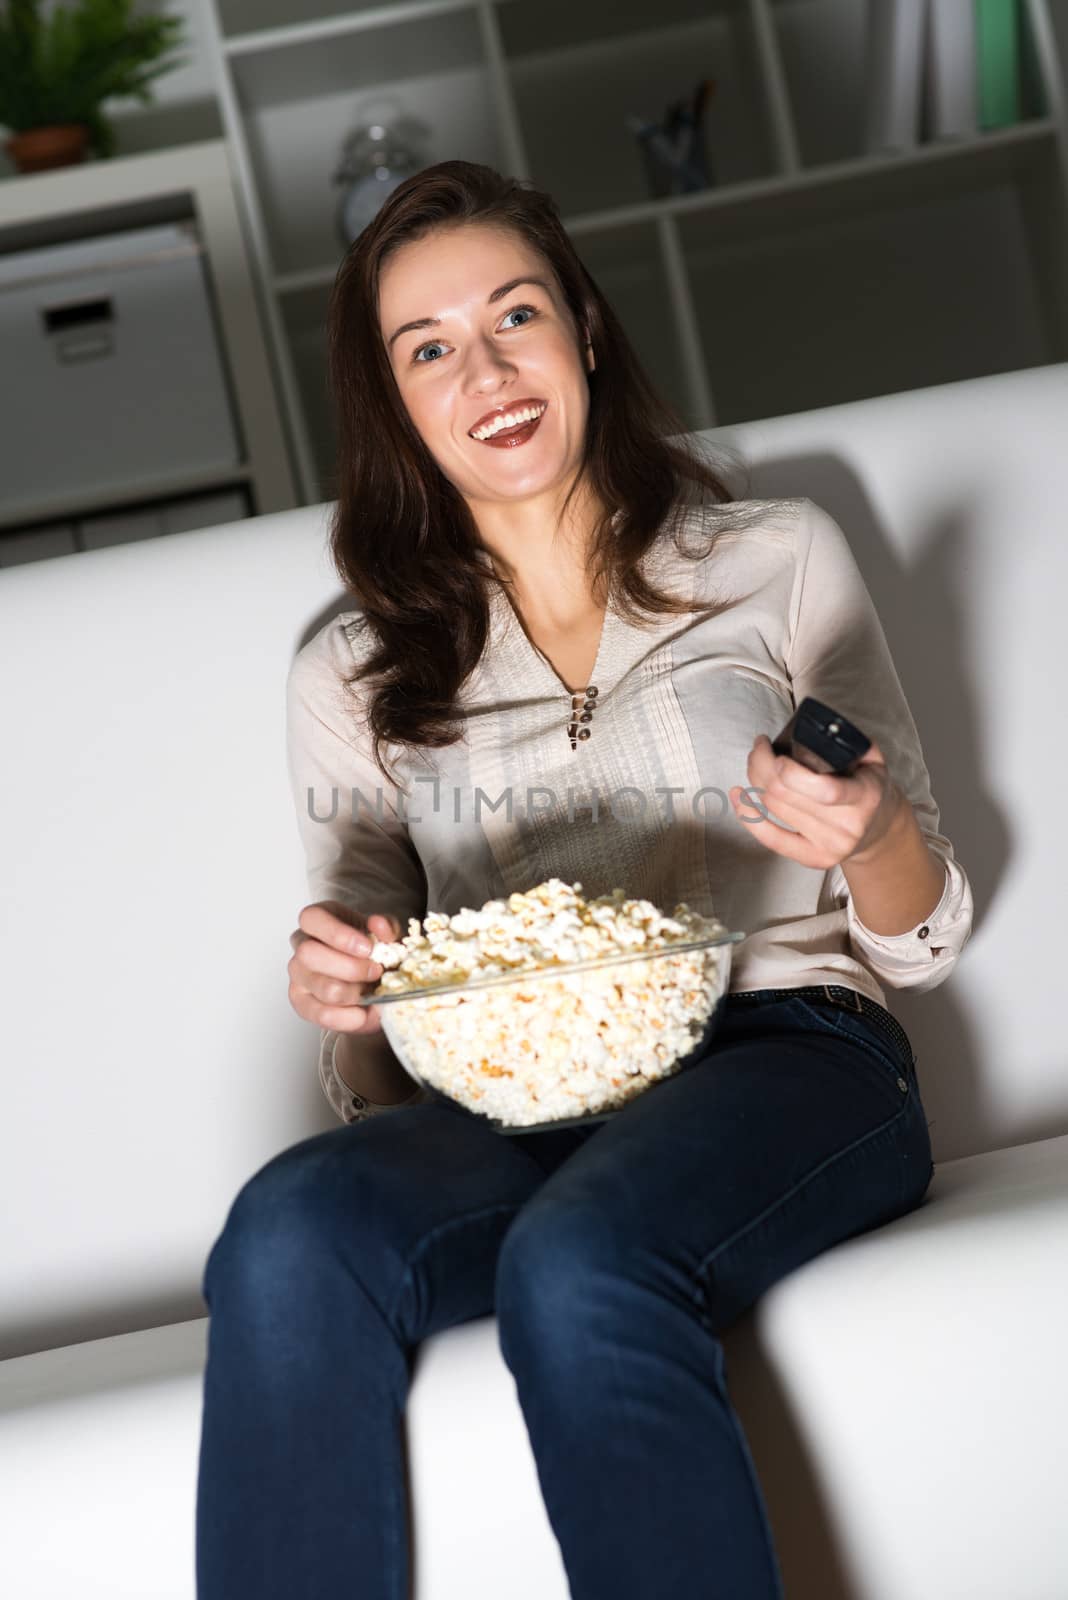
column 871, row 185
column 829, row 105
column 577, row 72
column 250, row 24
column 823, row 45
column 436, row 73
column 628, row 266
column 368, row 60
column 870, row 263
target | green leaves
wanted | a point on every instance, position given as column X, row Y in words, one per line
column 62, row 69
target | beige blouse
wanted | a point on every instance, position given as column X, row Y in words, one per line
column 634, row 790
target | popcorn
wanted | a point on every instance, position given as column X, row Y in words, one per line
column 555, row 1047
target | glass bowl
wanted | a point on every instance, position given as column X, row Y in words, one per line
column 558, row 1046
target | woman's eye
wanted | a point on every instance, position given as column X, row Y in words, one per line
column 436, row 343
column 516, row 309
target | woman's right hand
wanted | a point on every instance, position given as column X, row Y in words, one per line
column 330, row 968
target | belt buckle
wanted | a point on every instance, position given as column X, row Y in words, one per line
column 852, row 1004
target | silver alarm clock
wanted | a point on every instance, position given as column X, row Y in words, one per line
column 376, row 157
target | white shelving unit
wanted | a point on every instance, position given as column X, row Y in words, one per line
column 809, row 275
column 194, row 184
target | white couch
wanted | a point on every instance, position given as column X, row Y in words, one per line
column 905, row 1395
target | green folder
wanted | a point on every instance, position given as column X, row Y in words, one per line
column 1009, row 77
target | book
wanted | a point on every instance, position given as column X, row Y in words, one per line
column 894, row 74
column 998, row 27
column 951, row 89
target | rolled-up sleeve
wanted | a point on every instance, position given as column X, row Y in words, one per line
column 838, row 654
column 348, row 1106
column 922, row 957
column 357, row 848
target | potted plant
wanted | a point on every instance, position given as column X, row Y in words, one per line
column 56, row 73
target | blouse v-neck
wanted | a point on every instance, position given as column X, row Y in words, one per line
column 549, row 673
column 524, row 654
column 526, row 663
column 619, row 650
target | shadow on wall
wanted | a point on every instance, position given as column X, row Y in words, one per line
column 929, row 639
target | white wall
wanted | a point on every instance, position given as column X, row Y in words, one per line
column 195, row 80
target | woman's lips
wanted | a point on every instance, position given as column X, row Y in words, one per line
column 511, row 438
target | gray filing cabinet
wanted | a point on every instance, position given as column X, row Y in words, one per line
column 113, row 370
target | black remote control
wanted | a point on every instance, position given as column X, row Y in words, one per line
column 821, row 739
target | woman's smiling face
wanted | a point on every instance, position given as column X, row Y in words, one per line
column 479, row 350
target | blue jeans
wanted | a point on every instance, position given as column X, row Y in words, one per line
column 613, row 1256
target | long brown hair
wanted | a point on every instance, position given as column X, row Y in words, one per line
column 402, row 537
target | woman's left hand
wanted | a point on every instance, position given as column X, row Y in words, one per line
column 838, row 819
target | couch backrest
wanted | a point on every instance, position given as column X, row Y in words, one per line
column 152, row 872
column 953, row 500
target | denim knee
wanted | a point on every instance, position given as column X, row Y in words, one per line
column 273, row 1221
column 550, row 1259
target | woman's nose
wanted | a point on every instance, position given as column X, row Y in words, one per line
column 487, row 366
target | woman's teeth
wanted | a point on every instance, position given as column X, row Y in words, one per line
column 511, row 419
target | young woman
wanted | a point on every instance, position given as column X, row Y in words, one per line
column 576, row 619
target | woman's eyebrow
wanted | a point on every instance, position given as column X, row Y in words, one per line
column 435, row 322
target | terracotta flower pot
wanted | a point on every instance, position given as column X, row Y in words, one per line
column 62, row 145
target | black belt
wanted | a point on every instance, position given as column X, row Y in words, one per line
column 838, row 994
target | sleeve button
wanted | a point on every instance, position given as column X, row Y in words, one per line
column 924, row 931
